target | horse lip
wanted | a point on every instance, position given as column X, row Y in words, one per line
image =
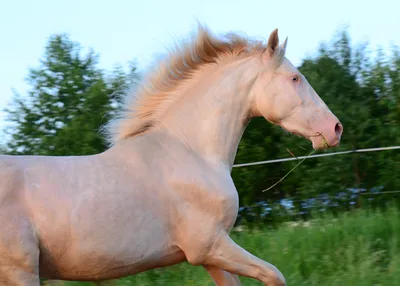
column 335, row 142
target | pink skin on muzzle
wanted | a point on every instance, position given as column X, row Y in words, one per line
column 328, row 133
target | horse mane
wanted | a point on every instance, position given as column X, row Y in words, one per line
column 141, row 109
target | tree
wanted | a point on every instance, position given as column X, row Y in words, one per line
column 68, row 101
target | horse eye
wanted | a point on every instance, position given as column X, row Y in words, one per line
column 295, row 78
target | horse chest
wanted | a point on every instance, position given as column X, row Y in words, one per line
column 212, row 200
column 223, row 208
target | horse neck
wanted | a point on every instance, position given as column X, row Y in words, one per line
column 213, row 112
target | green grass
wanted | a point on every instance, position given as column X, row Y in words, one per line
column 360, row 248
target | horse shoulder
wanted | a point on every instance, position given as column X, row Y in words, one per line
column 209, row 192
column 205, row 205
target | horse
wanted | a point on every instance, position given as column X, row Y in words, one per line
column 162, row 192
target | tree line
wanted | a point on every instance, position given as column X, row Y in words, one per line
column 70, row 98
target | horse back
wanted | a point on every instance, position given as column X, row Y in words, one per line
column 11, row 179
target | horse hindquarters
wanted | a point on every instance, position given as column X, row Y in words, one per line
column 19, row 250
column 19, row 258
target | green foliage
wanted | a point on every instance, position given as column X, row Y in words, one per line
column 358, row 248
column 67, row 103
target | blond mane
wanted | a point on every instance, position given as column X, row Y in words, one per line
column 141, row 109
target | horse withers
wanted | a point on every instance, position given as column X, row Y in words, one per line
column 162, row 193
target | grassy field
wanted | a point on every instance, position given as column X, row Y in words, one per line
column 360, row 248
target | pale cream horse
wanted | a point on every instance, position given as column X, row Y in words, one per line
column 162, row 193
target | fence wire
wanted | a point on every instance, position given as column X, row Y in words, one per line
column 316, row 156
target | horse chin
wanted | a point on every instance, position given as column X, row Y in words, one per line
column 318, row 143
column 296, row 132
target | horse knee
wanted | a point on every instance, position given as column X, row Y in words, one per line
column 274, row 278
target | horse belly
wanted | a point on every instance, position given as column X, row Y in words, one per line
column 96, row 223
column 110, row 253
column 106, row 236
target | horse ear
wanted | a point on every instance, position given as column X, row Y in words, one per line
column 284, row 44
column 272, row 45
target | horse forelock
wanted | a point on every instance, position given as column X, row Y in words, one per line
column 141, row 109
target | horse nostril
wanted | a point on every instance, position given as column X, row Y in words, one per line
column 338, row 129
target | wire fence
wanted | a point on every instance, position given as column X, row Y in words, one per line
column 324, row 197
column 316, row 156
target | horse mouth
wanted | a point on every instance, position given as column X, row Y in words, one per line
column 320, row 142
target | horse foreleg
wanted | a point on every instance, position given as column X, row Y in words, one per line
column 222, row 277
column 222, row 252
column 226, row 254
